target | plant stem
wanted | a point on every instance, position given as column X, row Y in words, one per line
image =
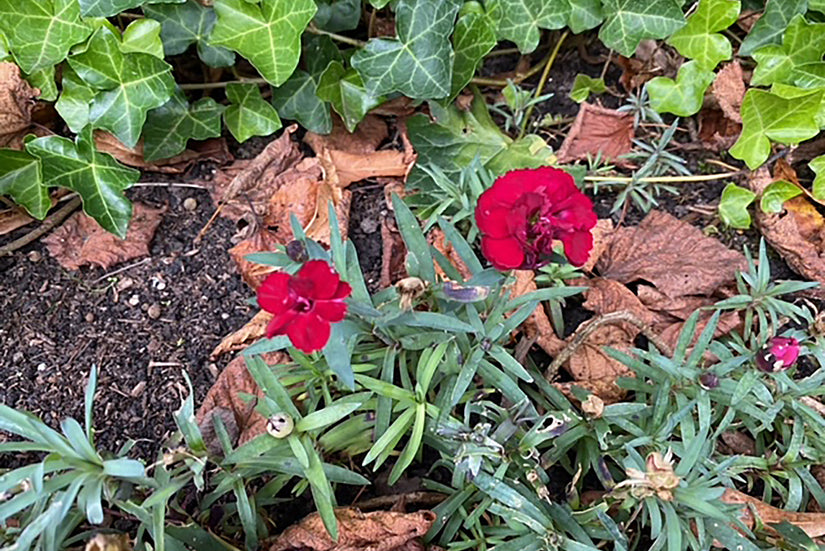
column 214, row 85
column 340, row 38
column 48, row 225
column 501, row 83
column 663, row 179
column 542, row 80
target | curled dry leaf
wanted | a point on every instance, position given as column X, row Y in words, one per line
column 355, row 156
column 109, row 542
column 812, row 524
column 590, row 366
column 602, row 235
column 677, row 258
column 538, row 325
column 246, row 335
column 728, row 89
column 439, row 241
column 17, row 99
column 11, row 219
column 357, row 531
column 253, row 273
column 797, row 233
column 81, row 240
column 738, row 443
column 598, row 130
column 213, row 150
column 227, row 395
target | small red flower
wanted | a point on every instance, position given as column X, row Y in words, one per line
column 780, row 354
column 525, row 210
column 305, row 304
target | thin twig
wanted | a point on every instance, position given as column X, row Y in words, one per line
column 48, row 225
column 224, row 84
column 501, row 83
column 542, row 80
column 386, row 501
column 664, row 179
column 587, row 328
column 121, row 270
column 606, row 64
column 340, row 38
column 168, row 184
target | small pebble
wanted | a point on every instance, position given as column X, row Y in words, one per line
column 90, row 317
column 134, row 300
column 41, row 367
column 154, row 311
column 224, row 316
column 35, row 256
column 213, row 370
column 190, row 204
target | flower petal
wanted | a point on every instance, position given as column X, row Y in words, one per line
column 330, row 310
column 503, row 254
column 277, row 325
column 577, row 245
column 274, row 294
column 494, row 222
column 343, row 291
column 308, row 332
column 324, row 280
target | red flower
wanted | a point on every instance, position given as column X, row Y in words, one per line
column 525, row 210
column 780, row 354
column 305, row 304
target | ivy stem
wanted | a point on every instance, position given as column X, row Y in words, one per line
column 48, row 225
column 340, row 38
column 542, row 81
column 214, row 85
column 664, row 179
column 501, row 83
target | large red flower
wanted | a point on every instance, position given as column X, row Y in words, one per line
column 525, row 210
column 305, row 304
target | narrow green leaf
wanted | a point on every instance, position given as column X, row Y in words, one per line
column 419, row 260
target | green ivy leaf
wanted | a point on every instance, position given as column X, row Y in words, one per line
column 44, row 80
column 769, row 28
column 268, row 35
column 809, row 75
column 74, row 101
column 767, row 116
column 338, row 15
column 5, row 51
column 584, row 85
column 344, row 89
column 520, row 20
column 733, row 206
column 818, row 166
column 174, row 123
column 318, row 52
column 684, row 96
column 699, row 39
column 297, row 99
column 457, row 137
column 128, row 85
column 789, row 92
column 584, row 15
column 419, row 63
column 41, row 32
column 802, row 43
column 774, row 196
column 185, row 24
column 108, row 8
column 628, row 22
column 249, row 115
column 817, row 5
column 20, row 179
column 474, row 37
column 97, row 177
column 142, row 36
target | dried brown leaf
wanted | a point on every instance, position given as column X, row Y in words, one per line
column 393, row 248
column 538, row 325
column 812, row 524
column 214, row 150
column 438, row 240
column 109, row 542
column 11, row 219
column 672, row 255
column 253, row 273
column 797, row 233
column 227, row 395
column 738, row 442
column 17, row 99
column 728, row 89
column 598, row 130
column 602, row 235
column 370, row 133
column 716, row 131
column 357, row 531
column 246, row 335
column 81, row 240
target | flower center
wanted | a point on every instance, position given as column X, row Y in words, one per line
column 303, row 304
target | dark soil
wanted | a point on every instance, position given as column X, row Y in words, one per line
column 56, row 324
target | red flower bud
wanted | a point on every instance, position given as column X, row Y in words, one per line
column 305, row 304
column 780, row 354
column 524, row 211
